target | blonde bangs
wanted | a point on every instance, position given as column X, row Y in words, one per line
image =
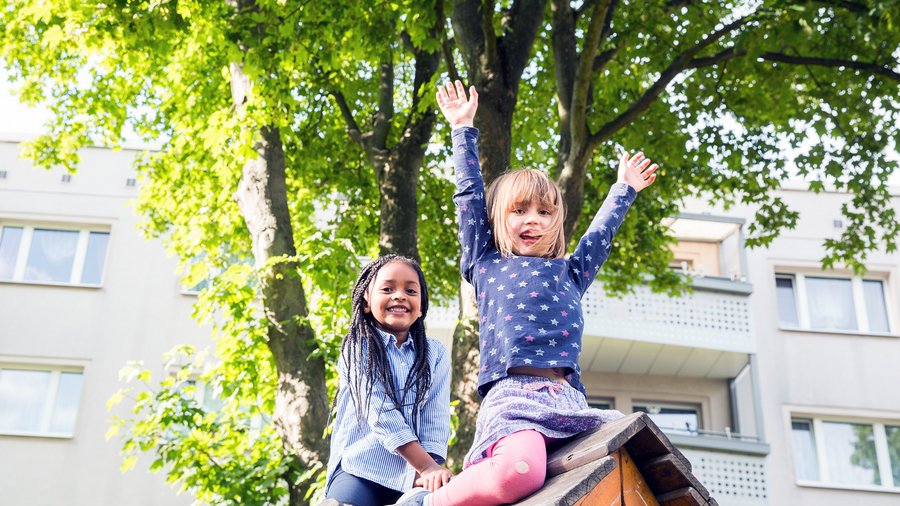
column 522, row 187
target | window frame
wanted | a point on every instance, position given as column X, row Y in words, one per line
column 78, row 258
column 882, row 455
column 49, row 402
column 696, row 407
column 801, row 302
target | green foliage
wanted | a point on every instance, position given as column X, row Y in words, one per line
column 222, row 450
column 732, row 132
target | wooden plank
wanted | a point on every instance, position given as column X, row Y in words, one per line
column 608, row 492
column 668, row 473
column 595, row 444
column 650, row 443
column 682, row 497
column 636, row 491
column 567, row 489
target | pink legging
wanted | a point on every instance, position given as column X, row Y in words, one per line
column 515, row 466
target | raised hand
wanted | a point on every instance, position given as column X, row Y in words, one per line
column 637, row 171
column 459, row 110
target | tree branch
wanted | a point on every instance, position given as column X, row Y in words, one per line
column 352, row 128
column 466, row 22
column 716, row 59
column 515, row 47
column 381, row 124
column 446, row 50
column 682, row 62
column 872, row 67
column 850, row 6
column 584, row 70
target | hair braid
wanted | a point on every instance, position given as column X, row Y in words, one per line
column 363, row 348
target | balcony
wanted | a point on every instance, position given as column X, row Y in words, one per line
column 705, row 334
column 735, row 476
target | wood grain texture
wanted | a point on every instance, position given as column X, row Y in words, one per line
column 686, row 496
column 566, row 489
column 635, row 489
column 668, row 473
column 594, row 444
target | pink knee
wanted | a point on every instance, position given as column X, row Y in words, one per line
column 519, row 465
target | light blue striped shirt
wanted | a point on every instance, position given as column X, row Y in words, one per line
column 368, row 448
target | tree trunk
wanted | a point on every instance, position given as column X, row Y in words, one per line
column 301, row 399
column 494, row 65
column 464, row 387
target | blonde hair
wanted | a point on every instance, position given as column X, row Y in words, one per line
column 522, row 187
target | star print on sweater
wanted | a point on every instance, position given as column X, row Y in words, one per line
column 537, row 300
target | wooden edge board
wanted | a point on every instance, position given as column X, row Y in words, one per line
column 667, row 473
column 686, row 496
column 595, row 444
column 566, row 489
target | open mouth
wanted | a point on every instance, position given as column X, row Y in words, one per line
column 529, row 239
column 397, row 309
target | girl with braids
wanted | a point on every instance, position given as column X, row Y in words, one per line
column 529, row 302
column 392, row 416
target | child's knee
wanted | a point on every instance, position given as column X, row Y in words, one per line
column 519, row 478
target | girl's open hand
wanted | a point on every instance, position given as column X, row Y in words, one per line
column 637, row 171
column 459, row 110
column 434, row 478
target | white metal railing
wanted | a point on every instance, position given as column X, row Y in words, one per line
column 715, row 320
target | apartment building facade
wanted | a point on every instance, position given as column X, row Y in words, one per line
column 82, row 292
column 777, row 379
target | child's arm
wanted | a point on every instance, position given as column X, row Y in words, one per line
column 434, row 421
column 474, row 230
column 431, row 475
column 394, row 434
column 635, row 174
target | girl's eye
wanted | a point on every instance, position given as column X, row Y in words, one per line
column 518, row 211
column 411, row 291
column 545, row 212
column 386, row 289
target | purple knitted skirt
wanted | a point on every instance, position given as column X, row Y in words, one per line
column 519, row 402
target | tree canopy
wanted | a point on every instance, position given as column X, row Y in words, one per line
column 298, row 138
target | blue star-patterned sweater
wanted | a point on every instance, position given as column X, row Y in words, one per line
column 529, row 307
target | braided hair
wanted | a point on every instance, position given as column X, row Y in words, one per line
column 364, row 347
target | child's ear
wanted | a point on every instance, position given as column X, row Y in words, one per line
column 366, row 308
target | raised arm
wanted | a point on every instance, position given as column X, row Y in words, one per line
column 635, row 173
column 474, row 230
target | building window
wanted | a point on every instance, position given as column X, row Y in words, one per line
column 39, row 402
column 672, row 418
column 855, row 454
column 850, row 304
column 600, row 403
column 52, row 255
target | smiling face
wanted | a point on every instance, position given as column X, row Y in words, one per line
column 527, row 224
column 395, row 299
column 526, row 212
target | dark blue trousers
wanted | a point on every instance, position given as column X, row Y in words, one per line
column 350, row 489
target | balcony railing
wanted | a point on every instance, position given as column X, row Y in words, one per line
column 733, row 478
column 715, row 319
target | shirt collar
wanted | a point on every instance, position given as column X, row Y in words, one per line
column 391, row 340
